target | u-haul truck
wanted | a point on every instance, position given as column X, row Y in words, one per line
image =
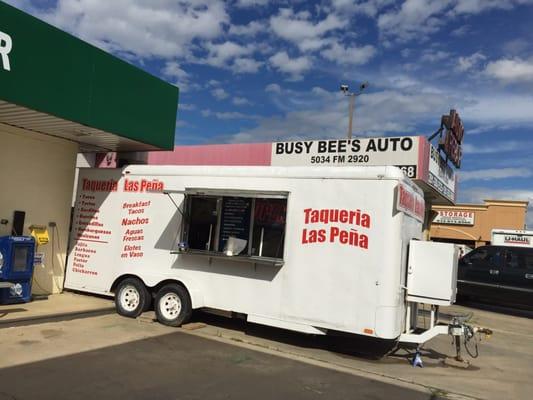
column 511, row 237
column 309, row 249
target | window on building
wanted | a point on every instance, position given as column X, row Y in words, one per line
column 234, row 223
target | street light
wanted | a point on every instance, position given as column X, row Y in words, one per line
column 346, row 91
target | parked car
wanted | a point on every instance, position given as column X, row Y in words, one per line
column 502, row 274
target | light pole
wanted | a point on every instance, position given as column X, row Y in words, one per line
column 346, row 91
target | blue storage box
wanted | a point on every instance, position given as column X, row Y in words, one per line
column 16, row 267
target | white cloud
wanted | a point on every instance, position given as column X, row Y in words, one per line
column 219, row 54
column 219, row 94
column 406, row 53
column 349, row 55
column 229, row 55
column 313, row 44
column 500, row 147
column 172, row 70
column 246, row 65
column 517, row 46
column 299, row 29
column 165, row 28
column 367, row 7
column 273, row 87
column 186, row 107
column 461, row 31
column 319, row 113
column 251, row 29
column 478, row 6
column 213, row 83
column 430, row 55
column 234, row 115
column 414, row 19
column 466, row 63
column 417, row 19
column 495, row 173
column 241, row 101
column 295, row 67
column 498, row 109
column 401, row 81
column 227, row 115
column 478, row 194
column 251, row 3
column 514, row 70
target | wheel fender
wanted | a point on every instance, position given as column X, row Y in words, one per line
column 197, row 298
column 192, row 286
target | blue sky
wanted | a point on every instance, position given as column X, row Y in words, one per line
column 259, row 71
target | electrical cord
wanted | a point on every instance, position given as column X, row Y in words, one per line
column 468, row 336
column 36, row 282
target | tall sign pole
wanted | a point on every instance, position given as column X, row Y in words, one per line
column 345, row 90
column 351, row 111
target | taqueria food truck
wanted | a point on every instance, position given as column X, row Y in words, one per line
column 309, row 249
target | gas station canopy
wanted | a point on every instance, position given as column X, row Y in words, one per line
column 55, row 84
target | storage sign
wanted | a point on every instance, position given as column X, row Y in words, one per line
column 398, row 151
column 455, row 217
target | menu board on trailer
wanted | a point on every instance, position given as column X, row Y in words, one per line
column 235, row 221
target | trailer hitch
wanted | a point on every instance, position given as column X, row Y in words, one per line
column 459, row 328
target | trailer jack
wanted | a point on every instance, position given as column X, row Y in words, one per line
column 458, row 328
column 463, row 335
column 417, row 359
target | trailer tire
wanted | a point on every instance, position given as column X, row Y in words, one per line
column 173, row 305
column 132, row 298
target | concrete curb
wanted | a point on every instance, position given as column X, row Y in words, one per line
column 67, row 316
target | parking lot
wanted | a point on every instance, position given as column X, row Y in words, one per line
column 501, row 371
column 108, row 356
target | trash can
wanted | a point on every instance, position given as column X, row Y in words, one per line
column 16, row 268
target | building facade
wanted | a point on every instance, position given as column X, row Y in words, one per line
column 60, row 96
column 471, row 224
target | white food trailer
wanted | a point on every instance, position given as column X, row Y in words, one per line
column 309, row 249
column 511, row 237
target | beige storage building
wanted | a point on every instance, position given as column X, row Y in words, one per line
column 471, row 224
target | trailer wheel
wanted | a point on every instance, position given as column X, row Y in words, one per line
column 173, row 305
column 131, row 298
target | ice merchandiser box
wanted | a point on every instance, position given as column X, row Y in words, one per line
column 16, row 268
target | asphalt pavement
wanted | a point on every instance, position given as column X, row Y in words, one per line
column 84, row 352
column 171, row 365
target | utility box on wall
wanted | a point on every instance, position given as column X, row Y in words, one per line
column 428, row 273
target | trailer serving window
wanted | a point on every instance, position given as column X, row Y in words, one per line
column 235, row 223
